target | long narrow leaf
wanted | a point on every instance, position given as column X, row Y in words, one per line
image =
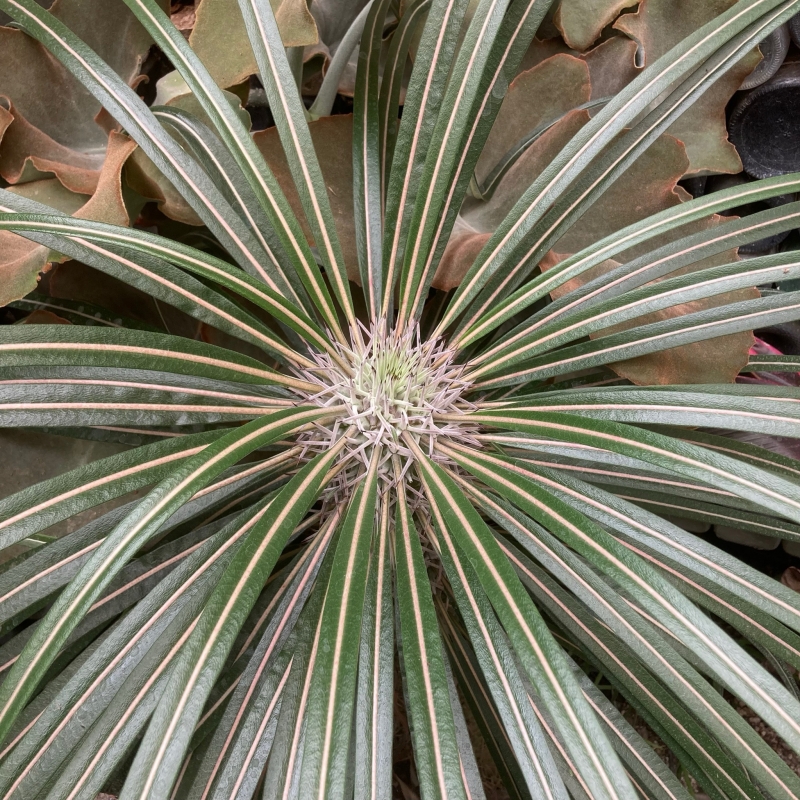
column 332, row 692
column 289, row 115
column 431, row 715
column 125, row 540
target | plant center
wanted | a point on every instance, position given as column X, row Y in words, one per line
column 394, row 386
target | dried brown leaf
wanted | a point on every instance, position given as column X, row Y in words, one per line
column 648, row 186
column 41, row 316
column 535, row 97
column 107, row 204
column 29, row 154
column 542, row 49
column 144, row 177
column 56, row 129
column 184, row 19
column 460, row 253
column 716, row 360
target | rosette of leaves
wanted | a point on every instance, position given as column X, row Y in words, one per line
column 374, row 490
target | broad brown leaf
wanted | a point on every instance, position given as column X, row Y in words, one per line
column 220, row 39
column 582, row 21
column 56, row 129
column 658, row 25
column 21, row 261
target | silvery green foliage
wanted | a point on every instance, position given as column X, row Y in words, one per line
column 457, row 480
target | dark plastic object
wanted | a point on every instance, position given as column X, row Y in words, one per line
column 785, row 337
column 773, row 49
column 765, row 125
column 794, row 28
column 695, row 186
column 769, row 244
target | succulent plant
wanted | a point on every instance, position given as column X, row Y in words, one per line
column 418, row 472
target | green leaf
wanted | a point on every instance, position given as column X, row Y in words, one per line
column 27, row 584
column 443, row 154
column 714, row 773
column 473, row 782
column 492, row 48
column 284, row 765
column 159, row 757
column 283, row 235
column 665, row 294
column 139, row 625
column 148, row 632
column 708, row 565
column 637, row 753
column 500, row 677
column 326, row 96
column 702, row 128
column 181, row 255
column 367, row 188
column 374, row 719
column 610, row 246
column 431, row 716
column 233, row 633
column 720, row 654
column 773, row 364
column 714, row 469
column 426, row 89
column 332, row 691
column 106, row 743
column 687, row 509
column 188, row 177
column 392, row 83
column 482, row 710
column 676, row 64
column 768, row 409
column 32, row 510
column 654, row 265
column 289, row 114
column 624, row 642
column 657, row 336
column 234, row 755
column 605, row 170
column 53, row 345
